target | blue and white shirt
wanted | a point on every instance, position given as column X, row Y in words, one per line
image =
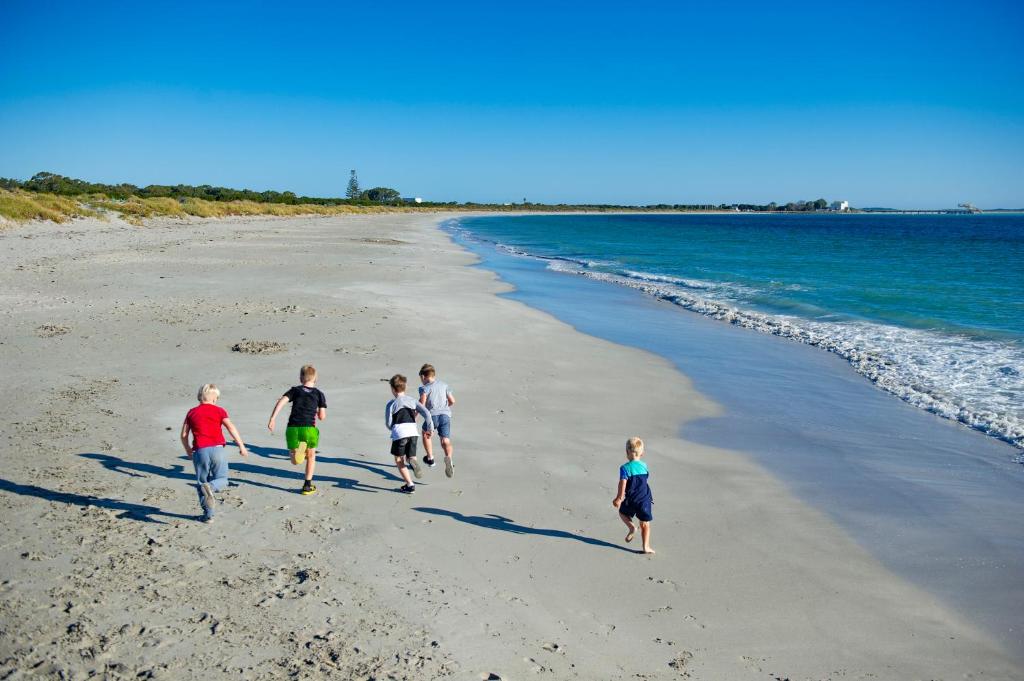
column 635, row 474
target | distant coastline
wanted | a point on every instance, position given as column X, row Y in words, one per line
column 57, row 198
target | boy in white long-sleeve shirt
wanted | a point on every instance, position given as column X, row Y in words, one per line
column 400, row 418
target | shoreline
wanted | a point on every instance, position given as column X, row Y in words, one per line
column 879, row 468
column 890, row 370
column 748, row 581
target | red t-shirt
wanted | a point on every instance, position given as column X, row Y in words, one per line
column 205, row 423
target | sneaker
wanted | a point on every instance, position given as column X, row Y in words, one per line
column 430, row 462
column 206, row 518
column 208, row 500
column 449, row 467
column 308, row 488
column 408, row 489
column 417, row 470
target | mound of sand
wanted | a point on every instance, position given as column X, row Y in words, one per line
column 258, row 347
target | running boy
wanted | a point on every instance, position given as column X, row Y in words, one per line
column 400, row 418
column 309, row 404
column 436, row 396
column 206, row 423
column 634, row 498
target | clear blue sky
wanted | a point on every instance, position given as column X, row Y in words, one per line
column 882, row 103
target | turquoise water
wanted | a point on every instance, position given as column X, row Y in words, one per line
column 929, row 308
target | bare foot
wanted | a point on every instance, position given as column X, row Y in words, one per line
column 632, row 533
column 648, row 549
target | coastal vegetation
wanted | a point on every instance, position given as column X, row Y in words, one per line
column 49, row 196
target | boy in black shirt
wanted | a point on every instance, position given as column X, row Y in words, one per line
column 308, row 405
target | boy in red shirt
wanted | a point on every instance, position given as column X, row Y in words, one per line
column 206, row 422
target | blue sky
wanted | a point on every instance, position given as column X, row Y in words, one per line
column 896, row 103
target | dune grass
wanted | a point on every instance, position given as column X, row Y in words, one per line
column 21, row 206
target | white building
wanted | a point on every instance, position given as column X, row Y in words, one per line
column 840, row 205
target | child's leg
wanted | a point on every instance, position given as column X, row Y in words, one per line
column 428, row 445
column 443, row 426
column 296, row 444
column 218, row 475
column 645, row 535
column 310, row 463
column 403, row 470
column 629, row 523
column 201, row 461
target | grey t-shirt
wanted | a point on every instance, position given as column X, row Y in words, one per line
column 437, row 397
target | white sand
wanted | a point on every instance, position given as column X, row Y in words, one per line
column 515, row 568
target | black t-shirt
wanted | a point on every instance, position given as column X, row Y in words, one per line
column 305, row 401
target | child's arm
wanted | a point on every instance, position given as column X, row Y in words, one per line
column 184, row 438
column 451, row 398
column 428, row 423
column 387, row 415
column 281, row 401
column 620, row 495
column 321, row 413
column 235, row 436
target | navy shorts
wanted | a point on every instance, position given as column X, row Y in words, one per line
column 642, row 511
column 405, row 447
column 442, row 424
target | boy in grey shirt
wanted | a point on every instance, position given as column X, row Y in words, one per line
column 436, row 396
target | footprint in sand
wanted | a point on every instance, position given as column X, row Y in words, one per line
column 680, row 661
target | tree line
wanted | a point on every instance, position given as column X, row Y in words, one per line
column 52, row 183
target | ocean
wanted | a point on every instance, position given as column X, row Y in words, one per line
column 929, row 308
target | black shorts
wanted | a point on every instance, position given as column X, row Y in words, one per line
column 405, row 447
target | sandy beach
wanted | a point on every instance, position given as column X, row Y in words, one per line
column 513, row 569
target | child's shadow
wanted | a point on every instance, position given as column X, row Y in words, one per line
column 278, row 454
column 497, row 522
column 128, row 510
column 140, row 469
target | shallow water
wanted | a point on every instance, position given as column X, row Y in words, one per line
column 929, row 308
column 937, row 502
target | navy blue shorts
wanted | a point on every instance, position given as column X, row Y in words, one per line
column 642, row 512
column 442, row 424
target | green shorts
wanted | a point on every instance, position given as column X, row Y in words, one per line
column 296, row 434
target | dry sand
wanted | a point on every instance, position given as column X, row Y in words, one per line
column 514, row 569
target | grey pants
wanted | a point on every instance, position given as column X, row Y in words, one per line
column 212, row 467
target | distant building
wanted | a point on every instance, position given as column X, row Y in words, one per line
column 840, row 205
column 412, row 199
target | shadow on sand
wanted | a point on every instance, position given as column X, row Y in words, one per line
column 178, row 471
column 497, row 522
column 381, row 469
column 128, row 510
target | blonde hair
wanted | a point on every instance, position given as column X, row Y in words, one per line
column 307, row 373
column 208, row 392
column 397, row 383
column 634, row 448
column 427, row 370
